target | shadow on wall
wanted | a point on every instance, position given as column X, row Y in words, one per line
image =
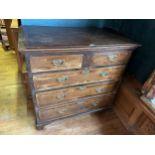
column 143, row 32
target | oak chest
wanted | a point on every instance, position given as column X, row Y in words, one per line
column 72, row 70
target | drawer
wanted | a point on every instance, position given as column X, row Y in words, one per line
column 53, row 63
column 70, row 78
column 77, row 107
column 110, row 58
column 71, row 94
column 60, row 112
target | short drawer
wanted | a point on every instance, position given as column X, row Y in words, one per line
column 110, row 58
column 68, row 94
column 52, row 63
column 77, row 107
column 70, row 78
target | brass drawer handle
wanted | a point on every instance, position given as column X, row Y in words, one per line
column 79, row 102
column 99, row 90
column 94, row 104
column 112, row 57
column 60, row 96
column 84, row 108
column 85, row 71
column 82, row 87
column 62, row 79
column 92, row 45
column 58, row 62
column 61, row 111
column 103, row 74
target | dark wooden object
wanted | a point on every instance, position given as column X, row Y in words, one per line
column 72, row 70
column 12, row 34
column 134, row 113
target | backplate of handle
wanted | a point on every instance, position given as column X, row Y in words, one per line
column 82, row 87
column 112, row 57
column 85, row 71
column 103, row 74
column 61, row 111
column 60, row 96
column 58, row 62
column 94, row 104
column 99, row 90
column 62, row 79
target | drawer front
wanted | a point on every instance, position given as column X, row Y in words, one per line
column 59, row 96
column 69, row 78
column 110, row 58
column 53, row 63
column 64, row 111
column 97, row 102
column 77, row 107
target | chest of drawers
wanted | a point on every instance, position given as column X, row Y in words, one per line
column 72, row 70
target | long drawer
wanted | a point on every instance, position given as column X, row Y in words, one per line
column 57, row 96
column 110, row 58
column 55, row 62
column 70, row 78
column 77, row 107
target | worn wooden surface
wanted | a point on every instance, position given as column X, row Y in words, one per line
column 57, row 96
column 63, row 50
column 110, row 58
column 46, row 63
column 32, row 37
column 66, row 109
column 72, row 78
column 16, row 113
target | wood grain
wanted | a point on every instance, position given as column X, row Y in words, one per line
column 59, row 59
column 132, row 112
column 36, row 38
column 110, row 58
column 46, row 63
column 68, row 94
column 71, row 78
column 16, row 112
column 77, row 107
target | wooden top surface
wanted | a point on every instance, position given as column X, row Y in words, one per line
column 44, row 37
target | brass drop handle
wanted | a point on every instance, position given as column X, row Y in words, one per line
column 60, row 96
column 82, row 87
column 84, row 108
column 94, row 104
column 99, row 90
column 62, row 79
column 92, row 45
column 85, row 71
column 103, row 74
column 58, row 62
column 61, row 111
column 112, row 57
column 79, row 102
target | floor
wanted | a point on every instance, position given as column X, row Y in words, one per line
column 17, row 118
